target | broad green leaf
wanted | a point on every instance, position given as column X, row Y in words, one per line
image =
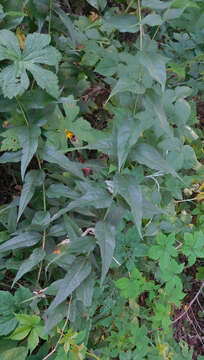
column 54, row 318
column 105, row 235
column 25, row 239
column 35, row 258
column 124, row 23
column 127, row 187
column 79, row 271
column 85, row 291
column 28, row 138
column 33, row 179
column 98, row 4
column 11, row 157
column 123, row 85
column 17, row 353
column 152, row 20
column 155, row 65
column 107, row 66
column 7, row 324
column 147, row 155
column 13, row 80
column 9, row 46
column 156, row 4
column 152, row 101
column 50, row 154
column 126, row 131
column 184, row 4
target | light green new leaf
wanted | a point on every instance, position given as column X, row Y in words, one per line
column 33, row 179
column 79, row 271
column 35, row 258
column 20, row 332
column 28, row 138
column 127, row 187
column 13, row 78
column 33, row 340
column 25, row 239
column 105, row 235
column 147, row 155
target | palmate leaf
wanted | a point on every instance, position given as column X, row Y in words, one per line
column 14, row 79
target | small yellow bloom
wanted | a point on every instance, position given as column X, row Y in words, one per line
column 69, row 134
column 21, row 37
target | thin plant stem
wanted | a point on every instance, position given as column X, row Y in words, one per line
column 62, row 332
column 50, row 17
column 44, row 208
column 141, row 48
column 22, row 112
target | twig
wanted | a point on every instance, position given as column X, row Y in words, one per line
column 189, row 306
column 62, row 333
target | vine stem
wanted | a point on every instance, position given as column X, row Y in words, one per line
column 50, row 17
column 62, row 332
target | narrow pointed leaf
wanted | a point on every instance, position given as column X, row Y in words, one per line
column 35, row 258
column 33, row 179
column 147, row 155
column 79, row 271
column 132, row 193
column 105, row 235
column 25, row 239
column 28, row 138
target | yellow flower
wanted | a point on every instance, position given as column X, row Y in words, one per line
column 69, row 134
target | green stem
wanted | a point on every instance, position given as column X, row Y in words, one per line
column 22, row 111
column 50, row 18
column 141, row 48
column 92, row 355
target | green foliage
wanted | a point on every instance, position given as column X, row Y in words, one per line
column 103, row 226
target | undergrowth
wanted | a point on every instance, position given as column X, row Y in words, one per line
column 102, row 243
